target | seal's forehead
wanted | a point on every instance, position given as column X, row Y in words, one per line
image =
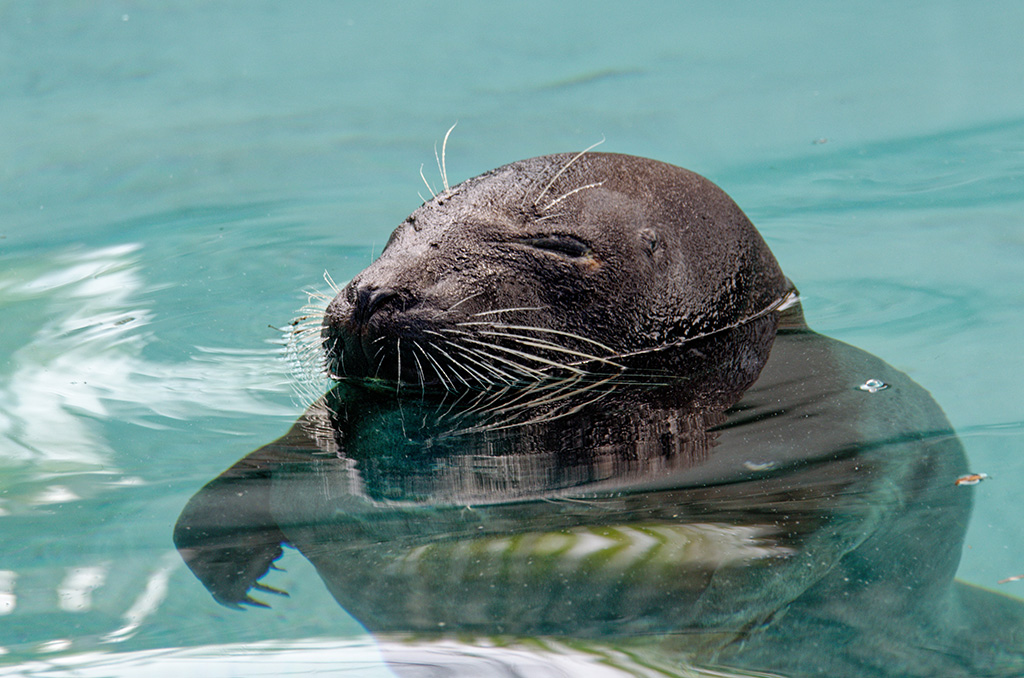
column 502, row 192
column 575, row 189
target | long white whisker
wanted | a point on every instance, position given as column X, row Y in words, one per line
column 429, row 187
column 468, row 353
column 535, row 343
column 458, row 399
column 528, row 399
column 341, row 369
column 441, row 374
column 455, row 363
column 528, row 356
column 446, row 330
column 440, row 171
column 380, row 363
column 508, row 310
column 511, row 364
column 317, row 301
column 545, row 330
column 398, row 374
column 564, row 168
column 551, row 416
column 444, row 146
column 461, row 301
column 518, row 367
column 330, row 283
column 575, row 190
column 419, row 369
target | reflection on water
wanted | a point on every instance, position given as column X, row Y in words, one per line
column 739, row 503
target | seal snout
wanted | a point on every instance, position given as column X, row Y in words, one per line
column 368, row 300
column 360, row 327
column 361, row 306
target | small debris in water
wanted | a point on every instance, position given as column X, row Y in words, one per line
column 874, row 386
column 820, row 141
column 971, row 479
column 1009, row 579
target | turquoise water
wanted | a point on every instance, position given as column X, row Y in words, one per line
column 173, row 177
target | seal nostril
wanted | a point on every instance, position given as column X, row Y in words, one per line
column 368, row 301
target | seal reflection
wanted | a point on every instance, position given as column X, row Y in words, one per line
column 737, row 501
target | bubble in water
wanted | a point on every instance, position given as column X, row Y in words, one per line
column 873, row 385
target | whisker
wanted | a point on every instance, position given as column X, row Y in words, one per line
column 454, row 363
column 567, row 392
column 528, row 356
column 461, row 301
column 467, row 354
column 440, row 171
column 544, row 418
column 380, row 363
column 438, row 370
column 484, row 402
column 419, row 369
column 781, row 302
column 536, row 342
column 546, row 345
column 564, row 168
column 303, row 347
column 509, row 310
column 458, row 399
column 575, row 190
column 546, row 330
column 317, row 301
column 440, row 334
column 525, row 370
column 330, row 283
column 444, row 146
column 429, row 187
column 558, row 392
column 527, row 397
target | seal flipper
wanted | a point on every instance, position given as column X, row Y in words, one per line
column 227, row 534
column 228, row 539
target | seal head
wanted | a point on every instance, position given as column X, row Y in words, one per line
column 555, row 264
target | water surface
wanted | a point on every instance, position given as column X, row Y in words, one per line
column 172, row 178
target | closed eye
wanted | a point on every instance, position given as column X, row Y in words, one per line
column 566, row 245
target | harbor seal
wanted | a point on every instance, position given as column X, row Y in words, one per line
column 578, row 400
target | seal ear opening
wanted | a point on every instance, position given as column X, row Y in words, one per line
column 650, row 235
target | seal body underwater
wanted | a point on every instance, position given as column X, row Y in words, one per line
column 579, row 401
